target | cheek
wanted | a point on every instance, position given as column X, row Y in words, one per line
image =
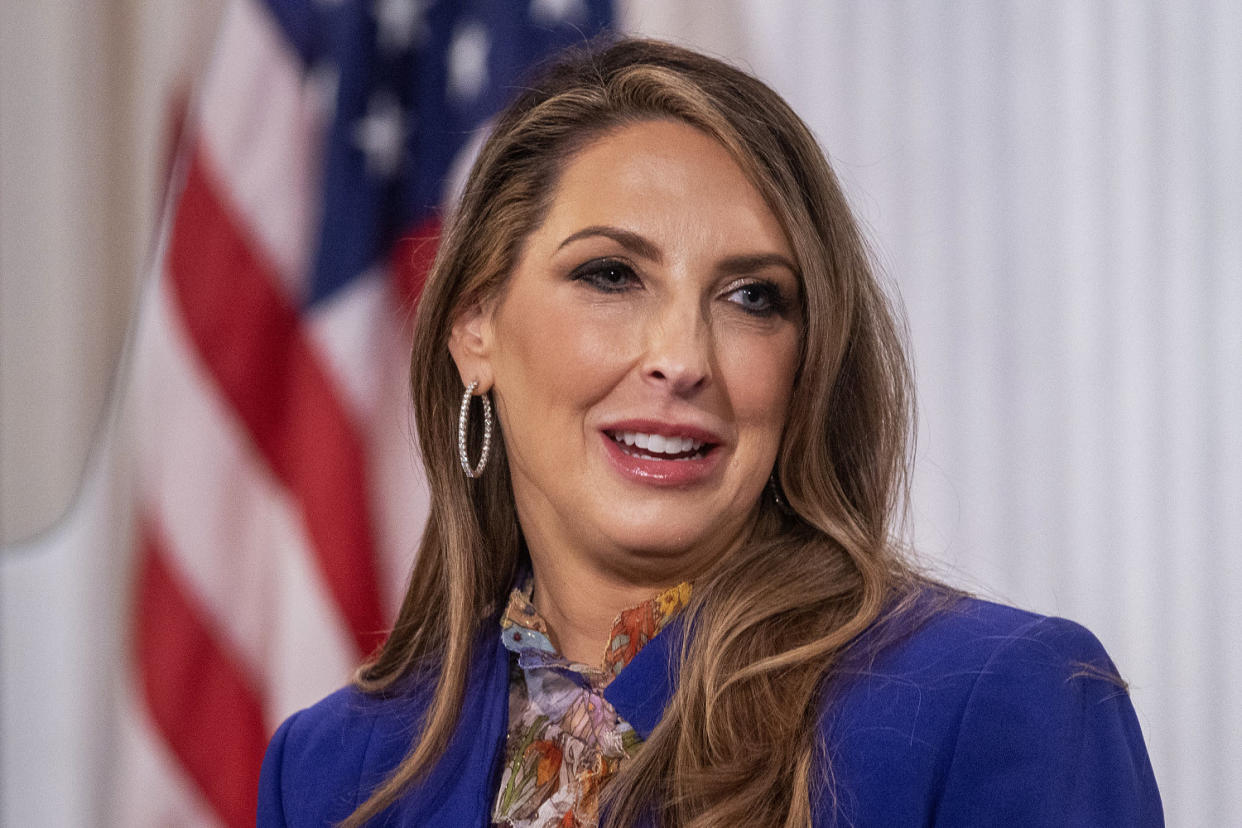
column 759, row 372
column 556, row 358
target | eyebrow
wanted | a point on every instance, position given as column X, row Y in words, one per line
column 741, row 265
column 639, row 246
column 631, row 241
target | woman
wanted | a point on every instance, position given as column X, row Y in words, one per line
column 659, row 584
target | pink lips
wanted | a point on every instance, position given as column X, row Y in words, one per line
column 681, row 472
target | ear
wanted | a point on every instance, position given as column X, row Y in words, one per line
column 471, row 343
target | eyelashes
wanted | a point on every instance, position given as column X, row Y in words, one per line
column 755, row 297
column 759, row 298
column 606, row 275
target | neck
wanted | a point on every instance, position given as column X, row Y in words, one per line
column 580, row 607
column 580, row 592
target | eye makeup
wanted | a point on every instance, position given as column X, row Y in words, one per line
column 758, row 297
column 607, row 275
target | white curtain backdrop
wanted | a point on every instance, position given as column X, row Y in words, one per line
column 1052, row 187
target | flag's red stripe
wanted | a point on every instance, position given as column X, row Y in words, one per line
column 411, row 260
column 201, row 699
column 250, row 338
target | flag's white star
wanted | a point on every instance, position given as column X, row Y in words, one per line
column 380, row 134
column 467, row 61
column 557, row 11
column 398, row 23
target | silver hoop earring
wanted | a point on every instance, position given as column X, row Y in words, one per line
column 463, row 421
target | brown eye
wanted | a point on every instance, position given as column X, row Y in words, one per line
column 606, row 275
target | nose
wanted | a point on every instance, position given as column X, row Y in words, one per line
column 678, row 355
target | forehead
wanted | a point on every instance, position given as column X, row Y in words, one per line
column 665, row 179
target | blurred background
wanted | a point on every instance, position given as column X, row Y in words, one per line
column 214, row 217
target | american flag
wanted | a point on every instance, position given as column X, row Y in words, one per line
column 279, row 499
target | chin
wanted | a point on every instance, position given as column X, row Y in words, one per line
column 663, row 542
column 667, row 527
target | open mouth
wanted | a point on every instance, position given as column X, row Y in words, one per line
column 659, row 447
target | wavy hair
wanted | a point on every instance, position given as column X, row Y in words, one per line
column 771, row 623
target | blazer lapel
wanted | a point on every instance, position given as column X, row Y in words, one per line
column 643, row 689
column 460, row 787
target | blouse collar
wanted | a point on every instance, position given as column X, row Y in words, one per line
column 525, row 632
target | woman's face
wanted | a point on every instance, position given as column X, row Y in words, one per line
column 642, row 354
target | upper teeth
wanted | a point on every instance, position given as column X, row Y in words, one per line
column 658, row 443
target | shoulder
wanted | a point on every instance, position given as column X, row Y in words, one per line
column 987, row 712
column 948, row 652
column 971, row 633
column 322, row 759
column 914, row 673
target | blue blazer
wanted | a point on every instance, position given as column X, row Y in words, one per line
column 985, row 715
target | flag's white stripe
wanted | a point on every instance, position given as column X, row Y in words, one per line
column 152, row 789
column 251, row 570
column 399, row 496
column 352, row 332
column 260, row 118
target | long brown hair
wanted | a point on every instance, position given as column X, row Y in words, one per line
column 769, row 623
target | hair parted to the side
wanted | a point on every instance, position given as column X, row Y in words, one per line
column 737, row 744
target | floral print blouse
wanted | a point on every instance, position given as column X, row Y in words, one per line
column 565, row 740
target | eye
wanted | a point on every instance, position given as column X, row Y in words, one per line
column 606, row 275
column 758, row 298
